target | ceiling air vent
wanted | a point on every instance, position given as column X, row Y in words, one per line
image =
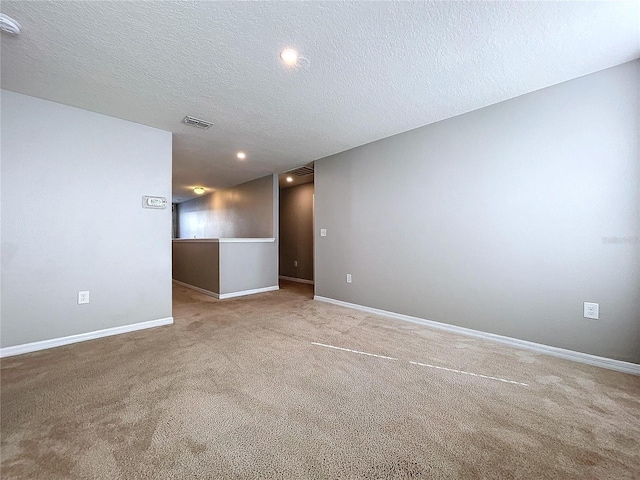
column 196, row 122
column 301, row 171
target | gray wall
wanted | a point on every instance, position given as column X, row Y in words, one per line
column 248, row 266
column 296, row 231
column 499, row 220
column 72, row 219
column 245, row 211
column 197, row 263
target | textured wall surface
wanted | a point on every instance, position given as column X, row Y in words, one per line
column 72, row 219
column 376, row 68
column 246, row 211
column 504, row 220
column 296, row 231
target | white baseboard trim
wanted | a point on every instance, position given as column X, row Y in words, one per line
column 242, row 293
column 611, row 364
column 197, row 289
column 81, row 337
column 294, row 279
column 222, row 296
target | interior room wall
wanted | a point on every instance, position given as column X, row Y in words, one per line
column 197, row 263
column 245, row 211
column 248, row 266
column 503, row 220
column 296, row 231
column 72, row 220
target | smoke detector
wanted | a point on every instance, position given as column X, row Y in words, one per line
column 9, row 25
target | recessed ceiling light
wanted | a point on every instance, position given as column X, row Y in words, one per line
column 9, row 25
column 241, row 155
column 292, row 58
column 199, row 190
column 289, row 179
column 289, row 56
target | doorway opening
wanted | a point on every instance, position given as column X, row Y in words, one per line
column 296, row 230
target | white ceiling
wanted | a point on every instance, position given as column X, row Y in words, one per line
column 376, row 68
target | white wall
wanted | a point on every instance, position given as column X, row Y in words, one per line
column 72, row 219
column 244, row 211
column 498, row 220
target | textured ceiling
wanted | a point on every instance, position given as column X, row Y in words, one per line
column 376, row 68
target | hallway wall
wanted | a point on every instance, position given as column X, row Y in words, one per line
column 244, row 211
column 296, row 231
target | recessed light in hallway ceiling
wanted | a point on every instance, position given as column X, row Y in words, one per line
column 199, row 190
column 241, row 155
column 292, row 58
column 289, row 56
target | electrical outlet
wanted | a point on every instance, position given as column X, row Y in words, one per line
column 348, row 278
column 591, row 310
column 323, row 232
column 83, row 297
column 295, row 263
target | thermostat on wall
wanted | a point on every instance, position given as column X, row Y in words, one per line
column 154, row 202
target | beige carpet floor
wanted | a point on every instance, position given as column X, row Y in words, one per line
column 253, row 388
